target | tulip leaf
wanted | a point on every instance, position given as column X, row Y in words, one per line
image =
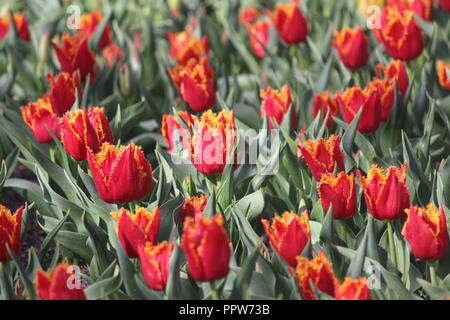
column 244, row 277
column 6, row 286
column 252, row 204
column 357, row 263
column 174, row 283
column 28, row 284
column 348, row 139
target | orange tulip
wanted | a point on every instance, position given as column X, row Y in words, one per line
column 445, row 4
column 352, row 289
column 63, row 91
column 10, row 228
column 327, row 104
column 56, row 286
column 155, row 260
column 290, row 23
column 443, row 71
column 193, row 207
column 276, row 105
column 352, row 46
column 111, row 54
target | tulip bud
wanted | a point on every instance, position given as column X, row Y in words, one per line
column 120, row 175
column 385, row 191
column 10, row 232
column 21, row 24
column 55, row 286
column 426, row 232
column 352, row 289
column 155, row 261
column 290, row 23
column 327, row 104
column 289, row 234
column 124, row 80
column 443, row 71
column 43, row 48
column 193, row 207
column 276, row 105
column 111, row 54
column 63, row 91
column 134, row 230
column 206, row 247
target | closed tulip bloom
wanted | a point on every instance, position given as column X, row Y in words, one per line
column 134, row 230
column 443, row 71
column 258, row 33
column 276, row 104
column 155, row 261
column 340, row 192
column 386, row 90
column 39, row 116
column 318, row 271
column 400, row 34
column 322, row 155
column 206, row 247
column 213, row 142
column 385, row 191
column 352, row 289
column 63, row 91
column 422, row 8
column 10, row 228
column 193, row 207
column 184, row 46
column 111, row 54
column 248, row 14
column 100, row 123
column 396, row 70
column 445, row 4
column 369, row 100
column 352, row 46
column 290, row 23
column 325, row 103
column 426, row 232
column 289, row 234
column 89, row 24
column 121, row 174
column 58, row 285
column 170, row 126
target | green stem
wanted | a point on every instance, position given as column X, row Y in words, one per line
column 433, row 272
column 52, row 153
column 391, row 243
column 214, row 293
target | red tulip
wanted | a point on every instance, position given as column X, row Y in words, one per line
column 248, row 14
column 20, row 23
column 318, row 271
column 340, row 192
column 322, row 155
column 57, row 286
column 387, row 95
column 385, row 191
column 258, row 33
column 206, row 247
column 276, row 105
column 213, row 142
column 352, row 289
column 100, row 123
column 193, row 207
column 184, row 47
column 155, row 260
column 170, row 125
column 120, row 175
column 445, row 4
column 422, row 8
column 289, row 234
column 443, row 71
column 10, row 228
column 111, row 54
column 290, row 23
column 352, row 46
column 369, row 100
column 396, row 70
column 134, row 230
column 89, row 24
column 426, row 232
column 325, row 103
column 39, row 116
column 4, row 27
column 63, row 91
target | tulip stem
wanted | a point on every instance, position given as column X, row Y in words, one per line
column 433, row 272
column 392, row 252
column 214, row 293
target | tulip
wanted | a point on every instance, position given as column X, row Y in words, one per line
column 111, row 54
column 170, row 125
column 58, row 286
column 134, row 230
column 340, row 192
column 400, row 34
column 445, row 4
column 290, row 23
column 4, row 26
column 276, row 105
column 20, row 23
column 248, row 14
column 387, row 95
column 322, row 155
column 184, row 47
column 352, row 46
column 206, row 247
column 426, row 232
column 258, row 33
column 155, row 261
column 121, row 174
column 40, row 117
column 100, row 123
column 396, row 70
column 213, row 142
column 318, row 271
column 10, row 228
column 352, row 289
column 443, row 71
column 385, row 191
column 289, row 234
column 369, row 100
column 327, row 104
column 74, row 55
column 193, row 207
column 195, row 81
column 420, row 7
column 63, row 91
column 89, row 24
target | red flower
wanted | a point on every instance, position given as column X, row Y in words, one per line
column 155, row 260
column 111, row 54
column 422, row 8
column 20, row 23
column 258, row 33
column 63, row 91
column 369, row 99
column 193, row 207
column 10, row 228
column 352, row 46
column 385, row 192
column 387, row 95
column 58, row 286
column 184, row 47
column 290, row 23
column 289, row 234
column 318, row 271
column 195, row 81
column 396, row 70
column 170, row 125
column 74, row 55
column 426, row 232
column 352, row 289
column 134, row 230
column 213, row 141
column 89, row 24
column 276, row 105
column 120, row 175
column 325, row 103
column 248, row 14
column 443, row 71
column 445, row 4
column 340, row 192
column 39, row 116
column 4, row 27
column 322, row 155
column 207, row 248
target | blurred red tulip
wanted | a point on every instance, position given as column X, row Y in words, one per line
column 10, row 229
column 443, row 71
column 326, row 104
column 386, row 92
column 340, row 192
column 193, row 207
column 445, row 4
column 56, row 286
column 111, row 54
column 276, row 105
column 63, row 91
column 258, row 33
column 20, row 23
column 248, row 14
column 352, row 289
column 290, row 23
column 89, row 24
column 352, row 46
column 155, row 260
column 396, row 70
column 170, row 125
